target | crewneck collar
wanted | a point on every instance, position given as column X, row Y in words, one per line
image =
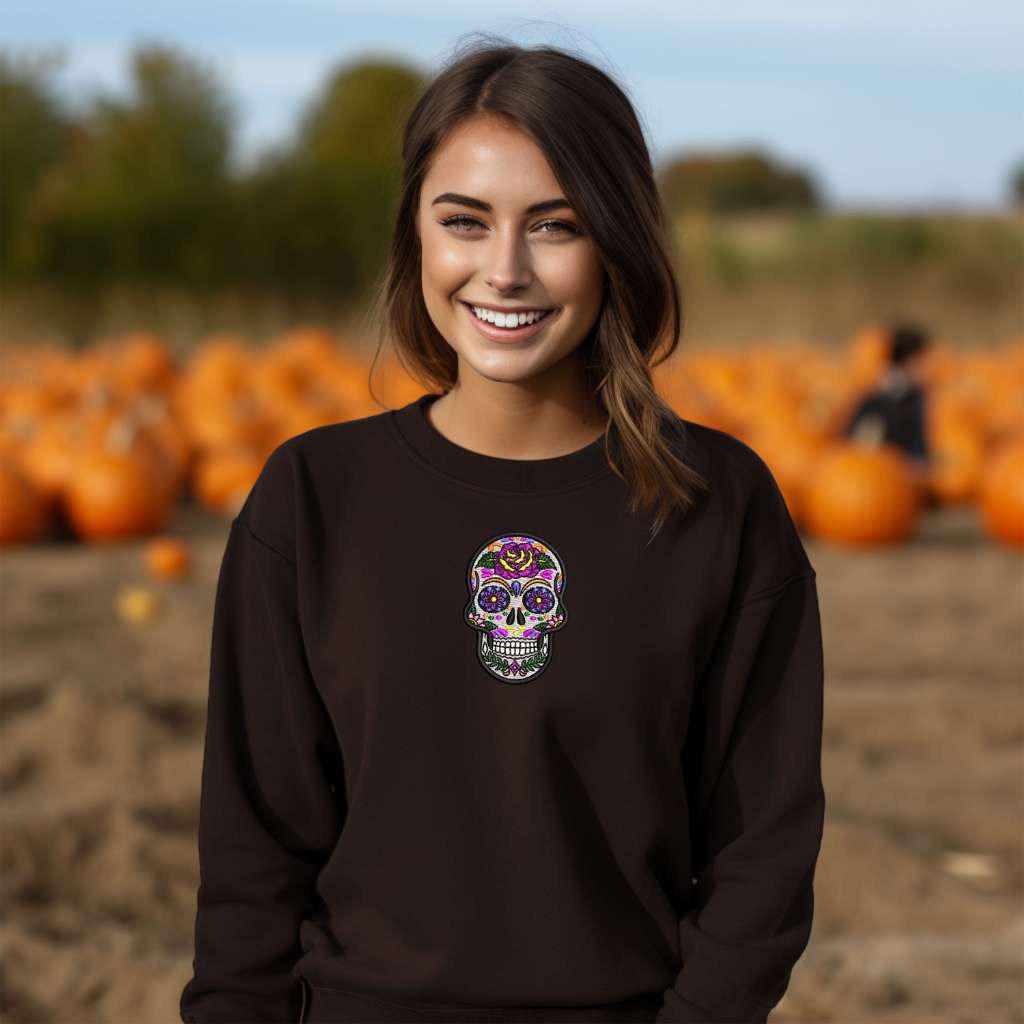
column 425, row 442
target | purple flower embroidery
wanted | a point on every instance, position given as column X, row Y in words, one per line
column 517, row 559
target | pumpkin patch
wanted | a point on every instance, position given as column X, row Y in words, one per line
column 114, row 438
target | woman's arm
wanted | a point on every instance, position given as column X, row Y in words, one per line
column 752, row 763
column 272, row 803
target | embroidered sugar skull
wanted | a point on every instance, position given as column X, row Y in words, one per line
column 515, row 604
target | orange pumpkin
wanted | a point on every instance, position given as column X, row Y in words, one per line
column 222, row 479
column 23, row 514
column 228, row 421
column 957, row 452
column 312, row 347
column 1001, row 493
column 861, row 496
column 167, row 558
column 143, row 361
column 153, row 412
column 348, row 381
column 220, row 364
column 277, row 382
column 121, row 488
column 14, row 435
column 50, row 454
column 867, row 354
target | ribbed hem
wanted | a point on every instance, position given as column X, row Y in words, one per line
column 332, row 1006
column 418, row 436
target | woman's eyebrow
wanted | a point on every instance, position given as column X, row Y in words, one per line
column 479, row 204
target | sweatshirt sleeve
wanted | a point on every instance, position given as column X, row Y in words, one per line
column 752, row 762
column 272, row 799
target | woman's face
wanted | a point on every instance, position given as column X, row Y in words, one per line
column 481, row 244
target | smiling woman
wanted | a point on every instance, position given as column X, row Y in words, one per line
column 541, row 278
column 485, row 743
column 528, row 187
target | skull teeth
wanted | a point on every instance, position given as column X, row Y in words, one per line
column 513, row 648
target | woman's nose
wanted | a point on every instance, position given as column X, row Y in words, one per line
column 509, row 263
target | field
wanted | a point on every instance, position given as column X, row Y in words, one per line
column 747, row 276
column 919, row 909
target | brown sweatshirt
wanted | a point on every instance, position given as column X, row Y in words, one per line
column 476, row 753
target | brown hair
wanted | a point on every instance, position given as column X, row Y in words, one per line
column 589, row 131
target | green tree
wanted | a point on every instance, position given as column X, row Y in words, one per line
column 35, row 134
column 735, row 182
column 336, row 190
column 142, row 194
column 1017, row 184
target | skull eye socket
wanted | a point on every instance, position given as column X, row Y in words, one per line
column 493, row 599
column 538, row 600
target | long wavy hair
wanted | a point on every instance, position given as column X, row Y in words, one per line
column 590, row 133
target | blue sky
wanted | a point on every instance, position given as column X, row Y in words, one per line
column 898, row 104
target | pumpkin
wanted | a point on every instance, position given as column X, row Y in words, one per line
column 312, row 347
column 153, row 412
column 23, row 512
column 120, row 488
column 1001, row 493
column 143, row 362
column 861, row 496
column 957, row 454
column 1005, row 410
column 167, row 558
column 867, row 355
column 277, row 383
column 222, row 479
column 229, row 421
column 14, row 435
column 219, row 364
column 50, row 454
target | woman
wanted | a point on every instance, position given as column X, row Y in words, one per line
column 516, row 691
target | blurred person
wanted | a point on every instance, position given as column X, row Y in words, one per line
column 894, row 410
column 516, row 691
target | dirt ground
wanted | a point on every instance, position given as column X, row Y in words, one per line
column 919, row 910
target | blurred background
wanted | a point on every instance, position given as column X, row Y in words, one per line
column 195, row 204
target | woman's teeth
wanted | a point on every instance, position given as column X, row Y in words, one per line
column 508, row 319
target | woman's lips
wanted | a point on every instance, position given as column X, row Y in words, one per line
column 508, row 333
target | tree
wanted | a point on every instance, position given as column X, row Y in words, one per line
column 142, row 192
column 341, row 181
column 729, row 183
column 1017, row 184
column 35, row 135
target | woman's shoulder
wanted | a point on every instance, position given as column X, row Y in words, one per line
column 749, row 500
column 336, row 442
column 724, row 459
column 339, row 437
column 297, row 471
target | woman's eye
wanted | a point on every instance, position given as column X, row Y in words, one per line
column 561, row 225
column 558, row 225
column 452, row 221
